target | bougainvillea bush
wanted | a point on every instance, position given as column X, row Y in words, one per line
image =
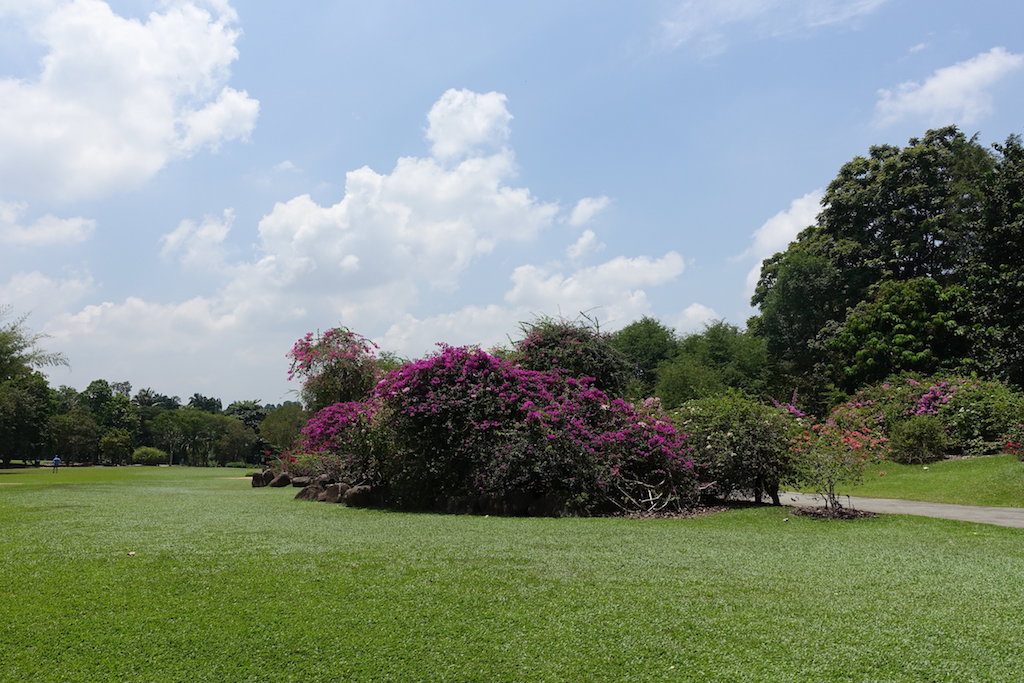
column 465, row 431
column 574, row 348
column 828, row 454
column 338, row 365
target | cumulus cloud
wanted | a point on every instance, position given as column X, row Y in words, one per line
column 613, row 292
column 44, row 296
column 960, row 93
column 118, row 98
column 694, row 317
column 199, row 245
column 47, row 230
column 386, row 258
column 586, row 209
column 586, row 245
column 777, row 232
column 709, row 25
column 462, row 122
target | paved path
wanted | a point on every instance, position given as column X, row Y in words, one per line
column 1013, row 517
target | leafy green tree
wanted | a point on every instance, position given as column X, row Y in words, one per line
column 20, row 350
column 75, row 435
column 907, row 326
column 25, row 409
column 252, row 413
column 646, row 344
column 116, row 446
column 685, row 379
column 206, row 404
column 282, row 425
column 235, row 443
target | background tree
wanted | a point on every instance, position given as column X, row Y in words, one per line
column 207, row 404
column 282, row 425
column 75, row 435
column 646, row 344
column 116, row 447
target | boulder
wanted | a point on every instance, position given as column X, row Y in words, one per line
column 324, row 479
column 268, row 476
column 359, row 497
column 301, row 482
column 281, row 480
column 333, row 493
column 310, row 492
column 257, row 480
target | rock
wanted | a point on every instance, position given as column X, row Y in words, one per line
column 310, row 492
column 359, row 497
column 324, row 479
column 257, row 480
column 268, row 476
column 333, row 493
column 301, row 482
column 280, row 480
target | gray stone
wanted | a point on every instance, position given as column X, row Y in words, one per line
column 281, row 480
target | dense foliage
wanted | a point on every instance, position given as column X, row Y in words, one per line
column 467, row 431
column 740, row 445
column 336, row 366
column 915, row 263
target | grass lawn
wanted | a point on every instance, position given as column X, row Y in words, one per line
column 233, row 584
column 996, row 480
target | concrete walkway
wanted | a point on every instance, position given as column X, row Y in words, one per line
column 1013, row 517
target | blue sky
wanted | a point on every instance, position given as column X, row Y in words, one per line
column 187, row 186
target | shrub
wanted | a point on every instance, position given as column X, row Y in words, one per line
column 342, row 440
column 918, row 439
column 1013, row 443
column 828, row 455
column 979, row 414
column 472, row 431
column 336, row 366
column 575, row 348
column 147, row 455
column 739, row 445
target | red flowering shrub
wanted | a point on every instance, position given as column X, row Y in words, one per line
column 1014, row 441
column 471, row 431
column 828, row 454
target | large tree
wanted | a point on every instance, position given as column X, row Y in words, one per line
column 943, row 210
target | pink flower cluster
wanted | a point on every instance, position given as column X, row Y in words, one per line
column 937, row 395
column 313, row 352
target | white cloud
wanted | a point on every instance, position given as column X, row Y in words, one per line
column 44, row 296
column 286, row 166
column 777, row 232
column 47, row 230
column 384, row 259
column 586, row 245
column 612, row 291
column 917, row 48
column 694, row 317
column 954, row 94
column 709, row 25
column 117, row 98
column 199, row 245
column 463, row 122
column 586, row 209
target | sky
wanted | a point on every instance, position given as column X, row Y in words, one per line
column 188, row 186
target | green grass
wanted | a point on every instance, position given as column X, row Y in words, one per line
column 996, row 480
column 234, row 584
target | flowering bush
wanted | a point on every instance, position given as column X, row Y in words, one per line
column 342, row 440
column 979, row 414
column 574, row 348
column 740, row 445
column 475, row 432
column 1014, row 441
column 336, row 366
column 827, row 455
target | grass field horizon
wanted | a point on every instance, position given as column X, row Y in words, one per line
column 229, row 583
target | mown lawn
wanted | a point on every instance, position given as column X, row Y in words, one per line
column 996, row 480
column 233, row 584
